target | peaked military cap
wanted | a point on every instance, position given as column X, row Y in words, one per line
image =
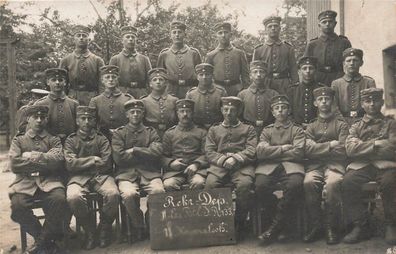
column 134, row 104
column 352, row 52
column 178, row 24
column 328, row 14
column 307, row 60
column 272, row 19
column 109, row 69
column 223, row 26
column 129, row 30
column 279, row 99
column 87, row 111
column 185, row 103
column 81, row 29
column 258, row 65
column 158, row 72
column 39, row 110
column 231, row 101
column 372, row 93
column 56, row 72
column 323, row 91
column 38, row 91
column 204, row 67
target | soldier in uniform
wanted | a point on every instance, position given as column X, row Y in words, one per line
column 347, row 88
column 62, row 109
column 179, row 60
column 110, row 104
column 207, row 97
column 21, row 117
column 279, row 154
column 133, row 65
column 231, row 69
column 36, row 158
column 230, row 149
column 373, row 158
column 279, row 55
column 83, row 67
column 136, row 153
column 257, row 98
column 328, row 48
column 184, row 157
column 88, row 160
column 325, row 149
column 301, row 93
column 160, row 106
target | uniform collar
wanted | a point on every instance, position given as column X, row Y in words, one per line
column 229, row 47
column 86, row 136
column 134, row 128
column 326, row 120
column 357, row 78
column 54, row 97
column 254, row 89
column 163, row 96
column 211, row 89
column 185, row 128
column 32, row 134
column 270, row 42
column 308, row 85
column 287, row 125
column 231, row 126
column 108, row 93
column 368, row 119
column 128, row 54
column 85, row 54
column 182, row 50
column 326, row 37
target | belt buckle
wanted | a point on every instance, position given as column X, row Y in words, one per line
column 259, row 123
column 182, row 82
column 327, row 68
column 35, row 174
column 275, row 75
column 353, row 114
column 134, row 84
column 161, row 127
column 227, row 82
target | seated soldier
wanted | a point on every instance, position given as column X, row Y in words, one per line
column 136, row 153
column 370, row 147
column 325, row 151
column 230, row 148
column 88, row 160
column 36, row 159
column 279, row 154
column 184, row 157
column 160, row 106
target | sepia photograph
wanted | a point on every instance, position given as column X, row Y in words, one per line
column 201, row 126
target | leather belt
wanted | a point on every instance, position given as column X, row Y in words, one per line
column 328, row 69
column 278, row 75
column 228, row 82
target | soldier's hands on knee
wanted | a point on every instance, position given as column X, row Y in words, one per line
column 230, row 163
column 191, row 169
column 178, row 165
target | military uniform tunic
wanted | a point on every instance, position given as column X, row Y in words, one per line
column 231, row 69
column 328, row 50
column 133, row 72
column 281, row 63
column 180, row 65
column 207, row 107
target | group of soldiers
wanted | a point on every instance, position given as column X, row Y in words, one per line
column 274, row 123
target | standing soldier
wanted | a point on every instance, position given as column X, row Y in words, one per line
column 282, row 68
column 257, row 98
column 110, row 104
column 301, row 93
column 279, row 154
column 88, row 160
column 62, row 109
column 347, row 89
column 328, row 48
column 231, row 69
column 230, row 149
column 36, row 158
column 179, row 60
column 83, row 68
column 184, row 157
column 373, row 159
column 136, row 152
column 160, row 106
column 133, row 65
column 207, row 97
column 325, row 149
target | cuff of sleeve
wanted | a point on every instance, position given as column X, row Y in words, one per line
column 221, row 160
column 238, row 157
column 35, row 156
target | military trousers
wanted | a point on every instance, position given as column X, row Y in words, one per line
column 130, row 195
column 175, row 183
column 323, row 184
column 78, row 203
column 53, row 204
column 355, row 209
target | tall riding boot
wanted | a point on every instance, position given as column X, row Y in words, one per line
column 274, row 229
column 331, row 228
column 89, row 229
column 359, row 233
column 105, row 231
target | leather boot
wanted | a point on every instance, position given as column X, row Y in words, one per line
column 314, row 234
column 390, row 234
column 105, row 231
column 273, row 231
column 359, row 233
column 331, row 232
column 139, row 234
